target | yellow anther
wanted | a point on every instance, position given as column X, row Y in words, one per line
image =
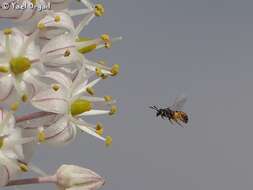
column 99, row 10
column 4, row 69
column 24, row 98
column 104, row 76
column 108, row 141
column 113, row 110
column 19, row 65
column 115, row 70
column 99, row 129
column 41, row 136
column 55, row 87
column 23, row 167
column 67, row 53
column 86, row 49
column 7, row 31
column 105, row 37
column 108, row 98
column 34, row 2
column 98, row 71
column 80, row 106
column 41, row 26
column 57, row 18
column 1, row 142
column 90, row 91
column 14, row 106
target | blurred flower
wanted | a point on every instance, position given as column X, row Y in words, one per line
column 71, row 177
column 11, row 148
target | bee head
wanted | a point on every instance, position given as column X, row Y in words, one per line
column 183, row 117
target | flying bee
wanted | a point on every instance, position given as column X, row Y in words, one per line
column 174, row 113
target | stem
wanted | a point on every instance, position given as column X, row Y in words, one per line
column 29, row 181
column 31, row 116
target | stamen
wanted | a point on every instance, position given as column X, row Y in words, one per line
column 41, row 136
column 90, row 91
column 113, row 110
column 55, row 87
column 7, row 31
column 24, row 98
column 108, row 98
column 23, row 167
column 14, row 106
column 67, row 53
column 41, row 26
column 57, row 18
column 99, row 129
column 115, row 70
column 1, row 142
column 108, row 141
column 99, row 10
column 107, row 40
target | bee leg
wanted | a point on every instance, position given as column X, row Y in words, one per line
column 179, row 124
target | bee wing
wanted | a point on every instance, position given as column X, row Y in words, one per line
column 179, row 103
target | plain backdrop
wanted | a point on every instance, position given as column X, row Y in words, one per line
column 202, row 48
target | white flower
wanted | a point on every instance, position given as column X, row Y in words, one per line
column 71, row 100
column 67, row 51
column 19, row 65
column 71, row 177
column 12, row 159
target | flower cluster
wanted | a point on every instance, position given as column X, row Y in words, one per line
column 43, row 63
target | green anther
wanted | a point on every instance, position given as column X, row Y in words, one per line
column 86, row 49
column 19, row 65
column 80, row 106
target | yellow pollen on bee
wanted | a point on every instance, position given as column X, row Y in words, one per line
column 24, row 98
column 80, row 106
column 7, row 31
column 41, row 136
column 99, row 10
column 90, row 91
column 4, row 69
column 57, row 18
column 99, row 129
column 14, row 106
column 108, row 141
column 55, row 87
column 41, row 26
column 113, row 110
column 107, row 98
column 23, row 167
column 19, row 65
column 115, row 69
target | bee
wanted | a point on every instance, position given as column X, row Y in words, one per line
column 173, row 113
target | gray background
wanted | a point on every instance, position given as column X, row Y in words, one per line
column 202, row 48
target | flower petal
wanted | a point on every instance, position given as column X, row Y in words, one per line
column 51, row 101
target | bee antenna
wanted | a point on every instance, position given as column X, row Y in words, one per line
column 153, row 107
